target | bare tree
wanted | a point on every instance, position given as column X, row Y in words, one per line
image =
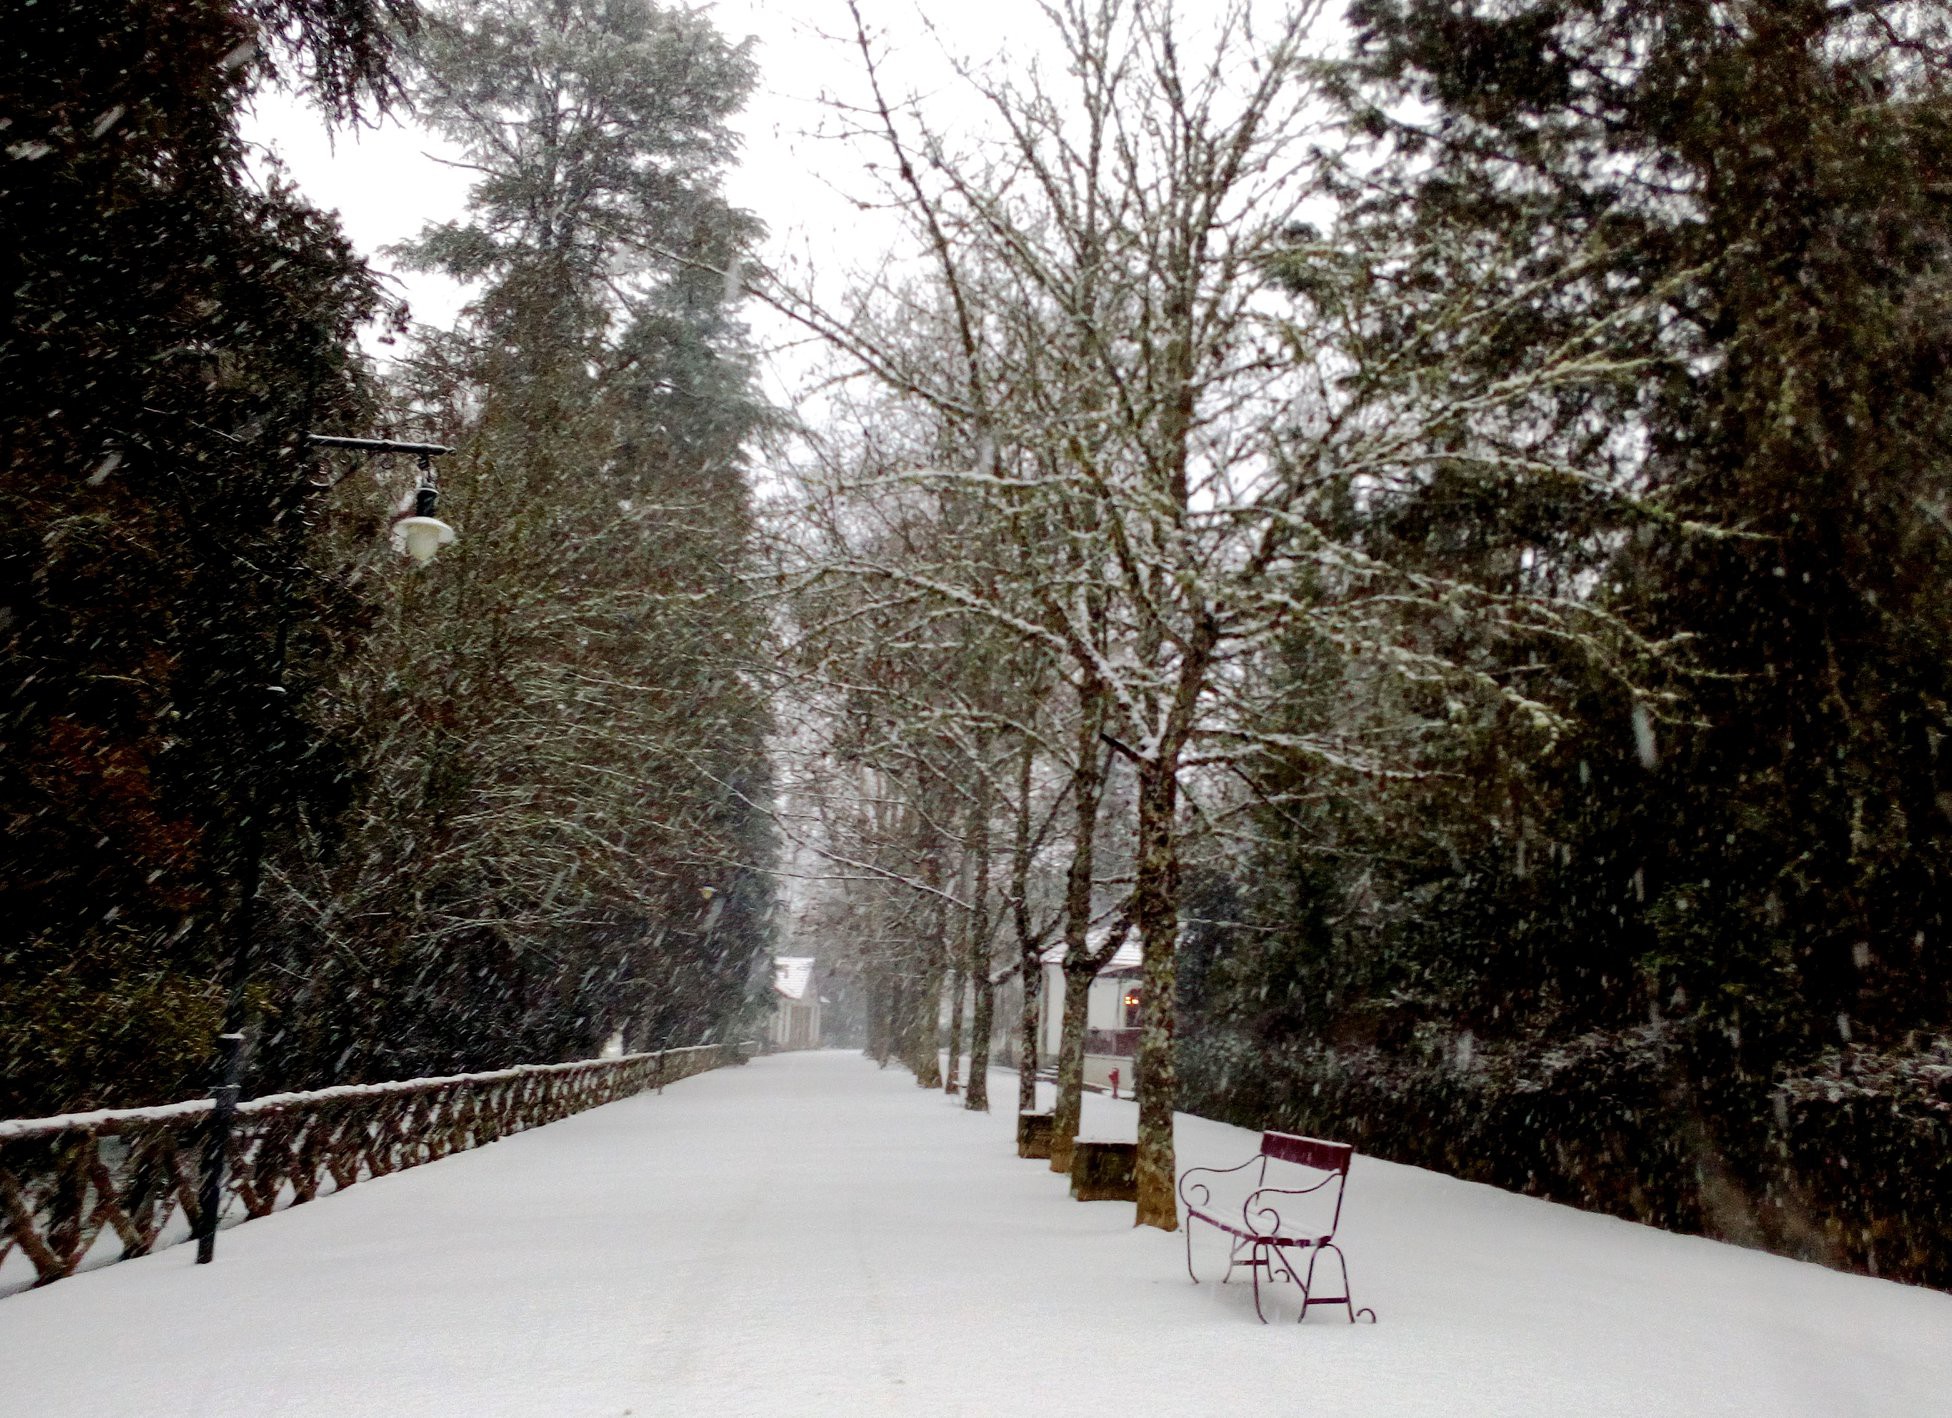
column 1159, row 388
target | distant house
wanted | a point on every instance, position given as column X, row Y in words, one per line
column 796, row 1003
column 1111, row 1021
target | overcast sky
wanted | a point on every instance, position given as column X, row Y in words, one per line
column 386, row 183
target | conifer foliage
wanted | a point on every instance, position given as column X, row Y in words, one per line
column 1620, row 964
column 487, row 812
column 574, row 840
column 171, row 333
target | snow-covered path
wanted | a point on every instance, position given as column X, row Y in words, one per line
column 811, row 1236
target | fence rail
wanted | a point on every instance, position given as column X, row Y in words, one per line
column 74, row 1189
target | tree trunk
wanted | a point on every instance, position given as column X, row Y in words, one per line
column 1028, row 945
column 1155, row 911
column 1070, row 1065
column 978, row 1097
column 925, row 1027
column 982, row 1022
column 1155, row 888
column 1087, row 782
column 957, row 977
column 1033, row 992
column 893, row 1022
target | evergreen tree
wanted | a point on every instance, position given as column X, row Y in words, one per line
column 1614, row 962
column 577, row 841
column 172, row 332
column 1777, row 175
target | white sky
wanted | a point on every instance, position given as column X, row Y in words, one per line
column 386, row 183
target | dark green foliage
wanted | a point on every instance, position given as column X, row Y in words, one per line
column 471, row 857
column 1784, row 175
column 574, row 837
column 1727, row 870
column 1649, row 1124
column 171, row 334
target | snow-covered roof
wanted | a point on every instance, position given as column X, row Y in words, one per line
column 792, row 974
column 1129, row 956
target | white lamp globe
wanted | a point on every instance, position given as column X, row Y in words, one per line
column 421, row 537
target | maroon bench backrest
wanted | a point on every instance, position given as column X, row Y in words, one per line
column 1307, row 1151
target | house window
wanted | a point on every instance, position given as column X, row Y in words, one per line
column 1131, row 1003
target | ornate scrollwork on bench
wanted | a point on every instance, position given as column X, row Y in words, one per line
column 1263, row 1234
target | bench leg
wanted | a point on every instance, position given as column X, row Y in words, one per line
column 1268, row 1258
column 1308, row 1284
column 1234, row 1262
column 1344, row 1299
column 1288, row 1269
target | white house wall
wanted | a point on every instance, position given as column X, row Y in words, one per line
column 1104, row 1006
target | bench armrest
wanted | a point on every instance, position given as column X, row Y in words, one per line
column 1263, row 1217
column 1205, row 1193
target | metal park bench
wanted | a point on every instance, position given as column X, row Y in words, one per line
column 1266, row 1237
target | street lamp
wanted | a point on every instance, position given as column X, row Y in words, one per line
column 420, row 534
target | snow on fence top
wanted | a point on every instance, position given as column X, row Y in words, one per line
column 72, row 1187
column 111, row 1121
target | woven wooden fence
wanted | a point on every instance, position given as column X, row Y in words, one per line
column 91, row 1188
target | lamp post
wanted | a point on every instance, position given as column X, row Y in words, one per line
column 420, row 534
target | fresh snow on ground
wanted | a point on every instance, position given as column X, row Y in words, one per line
column 809, row 1235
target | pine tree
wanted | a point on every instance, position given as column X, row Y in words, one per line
column 577, row 839
column 1778, row 177
column 172, row 333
